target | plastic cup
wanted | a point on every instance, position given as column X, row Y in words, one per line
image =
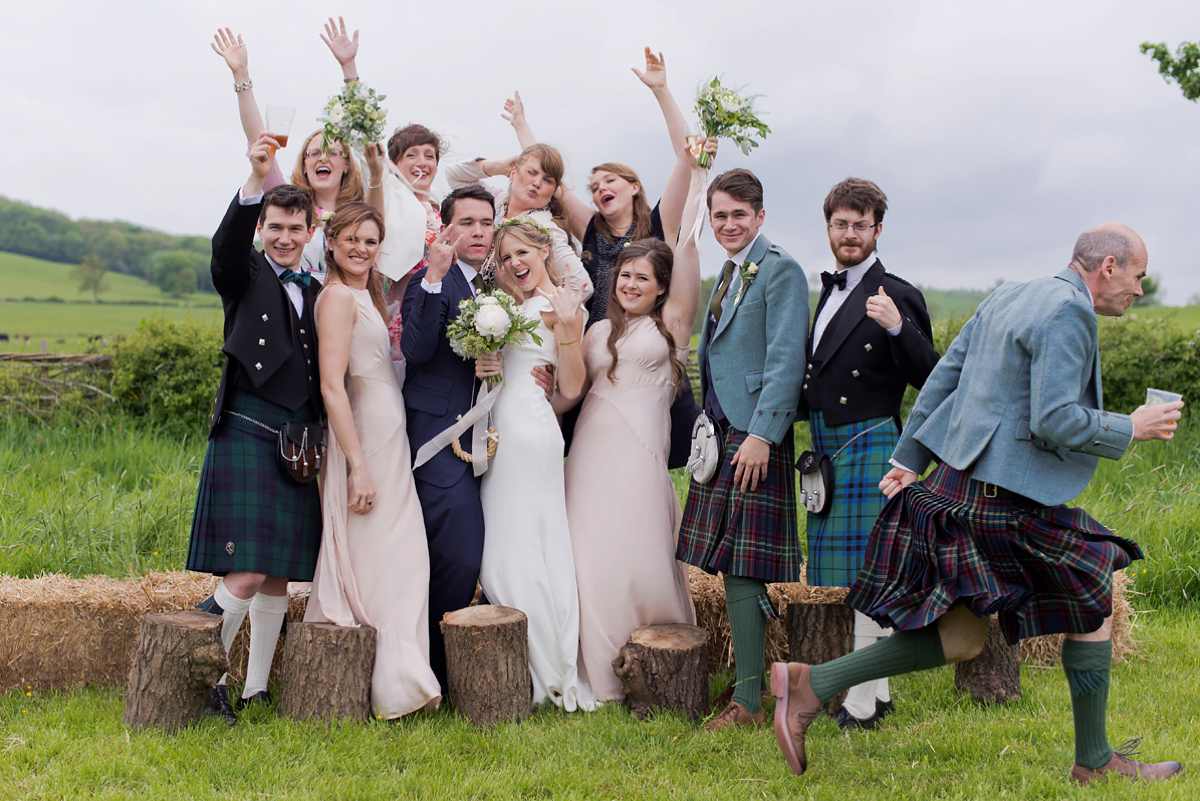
column 279, row 121
column 1156, row 396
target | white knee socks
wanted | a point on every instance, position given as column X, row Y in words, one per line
column 266, row 618
column 234, row 613
column 860, row 699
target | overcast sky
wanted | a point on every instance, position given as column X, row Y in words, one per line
column 998, row 131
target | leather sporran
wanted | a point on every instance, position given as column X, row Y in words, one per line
column 706, row 454
column 301, row 450
column 816, row 481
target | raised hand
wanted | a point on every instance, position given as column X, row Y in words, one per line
column 882, row 309
column 441, row 256
column 376, row 158
column 565, row 303
column 262, row 153
column 514, row 110
column 343, row 47
column 231, row 48
column 696, row 146
column 655, row 75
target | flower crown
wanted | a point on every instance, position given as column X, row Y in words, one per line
column 523, row 221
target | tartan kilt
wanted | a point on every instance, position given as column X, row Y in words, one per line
column 753, row 534
column 249, row 517
column 941, row 543
column 837, row 540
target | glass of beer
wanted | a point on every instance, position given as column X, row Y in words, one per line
column 279, row 122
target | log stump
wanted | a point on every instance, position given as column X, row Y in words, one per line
column 994, row 676
column 665, row 666
column 326, row 672
column 820, row 632
column 487, row 663
column 178, row 659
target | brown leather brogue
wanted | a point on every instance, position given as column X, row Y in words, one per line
column 734, row 715
column 795, row 708
column 1122, row 765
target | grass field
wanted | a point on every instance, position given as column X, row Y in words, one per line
column 67, row 325
column 936, row 745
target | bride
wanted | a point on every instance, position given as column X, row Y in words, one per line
column 527, row 560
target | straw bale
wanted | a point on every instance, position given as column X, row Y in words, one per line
column 708, row 595
column 58, row 632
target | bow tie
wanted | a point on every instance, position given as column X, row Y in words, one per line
column 301, row 277
column 837, row 279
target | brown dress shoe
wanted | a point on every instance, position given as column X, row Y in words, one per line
column 1122, row 765
column 734, row 715
column 795, row 709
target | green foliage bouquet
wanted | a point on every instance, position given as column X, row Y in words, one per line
column 488, row 322
column 1184, row 68
column 354, row 117
column 727, row 113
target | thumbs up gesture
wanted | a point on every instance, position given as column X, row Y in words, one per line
column 882, row 309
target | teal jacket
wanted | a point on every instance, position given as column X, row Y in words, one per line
column 1017, row 399
column 757, row 353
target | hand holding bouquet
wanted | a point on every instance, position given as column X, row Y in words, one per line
column 486, row 323
column 354, row 117
column 726, row 113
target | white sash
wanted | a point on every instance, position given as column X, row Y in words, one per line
column 476, row 420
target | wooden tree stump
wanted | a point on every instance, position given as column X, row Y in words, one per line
column 665, row 666
column 326, row 672
column 178, row 659
column 820, row 632
column 994, row 676
column 487, row 663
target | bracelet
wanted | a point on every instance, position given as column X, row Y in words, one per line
column 350, row 80
column 243, row 86
column 570, row 341
column 376, row 186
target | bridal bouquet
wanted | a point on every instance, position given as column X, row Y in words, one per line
column 488, row 322
column 727, row 113
column 354, row 117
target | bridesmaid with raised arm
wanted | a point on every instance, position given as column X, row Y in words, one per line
column 373, row 568
column 527, row 561
column 328, row 173
column 622, row 510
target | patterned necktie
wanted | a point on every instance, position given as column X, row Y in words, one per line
column 714, row 306
column 301, row 277
column 837, row 279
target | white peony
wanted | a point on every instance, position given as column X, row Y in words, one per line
column 336, row 113
column 492, row 321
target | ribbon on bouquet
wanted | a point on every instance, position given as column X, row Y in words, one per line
column 701, row 207
column 476, row 420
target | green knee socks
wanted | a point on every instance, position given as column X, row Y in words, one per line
column 748, row 628
column 1087, row 665
column 903, row 652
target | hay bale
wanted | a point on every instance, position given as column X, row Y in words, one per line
column 58, row 632
column 708, row 595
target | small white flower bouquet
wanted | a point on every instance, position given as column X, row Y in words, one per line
column 488, row 322
column 354, row 117
column 728, row 114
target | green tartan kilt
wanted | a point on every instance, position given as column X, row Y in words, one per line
column 837, row 540
column 249, row 517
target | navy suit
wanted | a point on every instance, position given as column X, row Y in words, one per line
column 438, row 387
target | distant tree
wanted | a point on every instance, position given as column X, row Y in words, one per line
column 1151, row 293
column 1183, row 68
column 176, row 272
column 90, row 274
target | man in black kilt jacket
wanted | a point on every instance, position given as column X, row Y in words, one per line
column 253, row 525
column 1014, row 415
column 871, row 339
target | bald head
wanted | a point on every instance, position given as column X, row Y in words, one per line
column 1106, row 239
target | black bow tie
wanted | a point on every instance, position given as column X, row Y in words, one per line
column 837, row 279
column 301, row 277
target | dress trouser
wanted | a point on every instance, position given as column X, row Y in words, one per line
column 454, row 528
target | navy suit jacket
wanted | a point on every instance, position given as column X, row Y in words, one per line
column 439, row 384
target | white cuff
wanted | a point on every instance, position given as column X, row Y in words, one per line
column 432, row 289
column 895, row 332
column 249, row 201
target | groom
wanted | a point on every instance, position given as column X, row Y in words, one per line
column 438, row 387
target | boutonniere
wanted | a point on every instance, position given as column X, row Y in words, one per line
column 325, row 216
column 747, row 272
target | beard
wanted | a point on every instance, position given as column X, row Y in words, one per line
column 859, row 254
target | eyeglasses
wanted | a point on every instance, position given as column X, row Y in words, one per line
column 859, row 227
column 331, row 154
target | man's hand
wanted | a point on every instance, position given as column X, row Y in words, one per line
column 544, row 378
column 441, row 256
column 895, row 480
column 882, row 309
column 750, row 463
column 1158, row 421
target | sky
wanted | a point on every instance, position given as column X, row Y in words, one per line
column 999, row 131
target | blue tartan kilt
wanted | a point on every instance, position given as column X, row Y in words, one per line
column 941, row 543
column 837, row 540
column 751, row 534
column 249, row 517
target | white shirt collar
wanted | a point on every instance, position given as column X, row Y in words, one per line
column 855, row 274
column 744, row 253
